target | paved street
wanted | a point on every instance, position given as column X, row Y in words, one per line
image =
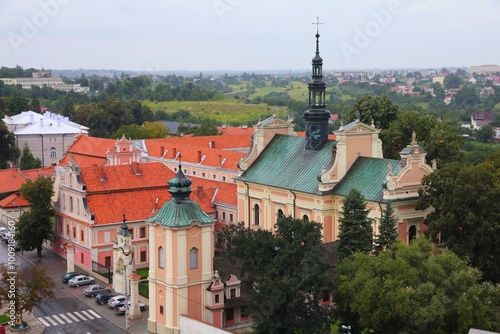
column 71, row 311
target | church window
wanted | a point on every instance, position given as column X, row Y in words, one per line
column 231, row 218
column 107, row 261
column 74, row 232
column 256, row 215
column 53, row 152
column 217, row 298
column 71, row 204
column 161, row 257
column 142, row 232
column 223, row 216
column 232, row 293
column 223, row 178
column 82, row 235
column 412, row 233
column 143, row 256
column 161, row 309
column 305, row 218
column 193, row 258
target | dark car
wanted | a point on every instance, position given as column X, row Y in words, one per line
column 66, row 277
column 103, row 298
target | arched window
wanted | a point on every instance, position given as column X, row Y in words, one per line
column 412, row 233
column 256, row 215
column 193, row 258
column 53, row 152
column 279, row 215
column 161, row 257
column 305, row 218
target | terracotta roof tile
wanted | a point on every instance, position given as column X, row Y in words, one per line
column 33, row 174
column 14, row 201
column 11, row 180
column 87, row 151
column 231, row 131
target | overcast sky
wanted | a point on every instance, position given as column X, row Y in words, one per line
column 205, row 35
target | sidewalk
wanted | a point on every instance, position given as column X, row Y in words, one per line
column 56, row 267
column 34, row 325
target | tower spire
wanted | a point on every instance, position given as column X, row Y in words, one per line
column 316, row 116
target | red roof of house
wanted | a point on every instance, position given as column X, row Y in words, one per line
column 87, row 151
column 136, row 190
column 231, row 130
column 194, row 154
column 11, row 179
column 220, row 142
column 14, row 200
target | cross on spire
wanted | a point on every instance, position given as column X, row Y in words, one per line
column 317, row 23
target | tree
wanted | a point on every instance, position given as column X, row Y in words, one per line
column 485, row 134
column 155, row 130
column 25, row 289
column 208, row 128
column 284, row 275
column 356, row 233
column 441, row 140
column 465, row 213
column 451, row 81
column 388, row 229
column 28, row 161
column 17, row 105
column 8, row 150
column 410, row 290
column 380, row 109
column 35, row 226
column 35, row 104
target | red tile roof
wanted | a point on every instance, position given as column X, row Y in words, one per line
column 14, row 201
column 87, row 151
column 231, row 130
column 194, row 154
column 219, row 142
column 11, row 179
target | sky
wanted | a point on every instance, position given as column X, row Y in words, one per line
column 246, row 35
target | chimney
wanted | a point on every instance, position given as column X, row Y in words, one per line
column 32, row 119
column 219, row 160
column 162, row 149
column 41, row 122
column 199, row 156
column 175, row 152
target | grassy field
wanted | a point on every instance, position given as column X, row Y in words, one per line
column 231, row 112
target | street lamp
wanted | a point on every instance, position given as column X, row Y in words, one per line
column 348, row 328
column 126, row 253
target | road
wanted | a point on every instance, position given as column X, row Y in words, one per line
column 71, row 311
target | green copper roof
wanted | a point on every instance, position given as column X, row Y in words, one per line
column 180, row 211
column 180, row 214
column 368, row 176
column 285, row 163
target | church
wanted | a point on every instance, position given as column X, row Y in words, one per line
column 282, row 175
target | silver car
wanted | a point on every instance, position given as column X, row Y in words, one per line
column 95, row 289
column 81, row 280
column 112, row 302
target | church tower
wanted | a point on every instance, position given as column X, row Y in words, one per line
column 181, row 249
column 316, row 116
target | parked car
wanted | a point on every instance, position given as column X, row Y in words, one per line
column 6, row 236
column 3, row 230
column 103, row 298
column 16, row 246
column 95, row 289
column 66, row 277
column 120, row 307
column 81, row 280
column 112, row 302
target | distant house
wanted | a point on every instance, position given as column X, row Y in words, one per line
column 173, row 127
column 496, row 134
column 480, row 119
column 47, row 135
column 486, row 91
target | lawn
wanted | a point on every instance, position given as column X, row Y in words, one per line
column 230, row 112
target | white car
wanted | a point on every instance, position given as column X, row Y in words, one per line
column 81, row 280
column 112, row 302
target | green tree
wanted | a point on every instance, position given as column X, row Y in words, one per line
column 28, row 161
column 284, row 275
column 388, row 229
column 380, row 109
column 31, row 287
column 208, row 128
column 465, row 214
column 467, row 96
column 356, row 233
column 17, row 104
column 35, row 226
column 35, row 104
column 451, row 81
column 155, row 130
column 410, row 290
column 485, row 134
column 8, row 150
column 132, row 131
column 443, row 143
